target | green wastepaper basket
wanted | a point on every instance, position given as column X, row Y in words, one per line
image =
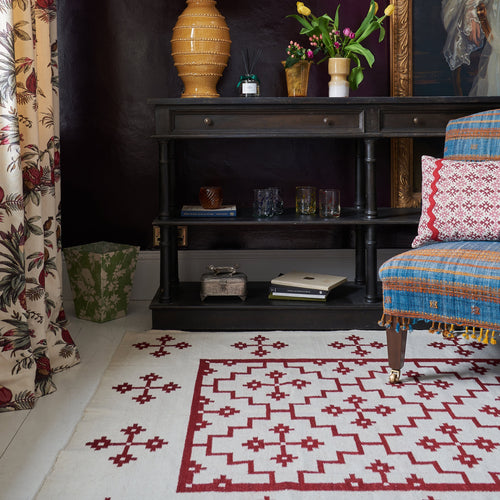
column 101, row 276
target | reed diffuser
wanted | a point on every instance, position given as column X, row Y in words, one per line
column 249, row 84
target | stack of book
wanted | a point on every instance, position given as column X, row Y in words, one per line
column 199, row 211
column 298, row 285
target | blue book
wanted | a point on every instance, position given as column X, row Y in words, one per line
column 199, row 211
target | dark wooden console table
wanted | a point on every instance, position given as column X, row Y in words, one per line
column 354, row 305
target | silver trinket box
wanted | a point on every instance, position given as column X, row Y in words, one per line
column 223, row 281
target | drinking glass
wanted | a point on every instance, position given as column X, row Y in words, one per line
column 210, row 197
column 277, row 201
column 329, row 202
column 305, row 200
column 262, row 203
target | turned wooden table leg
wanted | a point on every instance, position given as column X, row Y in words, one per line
column 396, row 347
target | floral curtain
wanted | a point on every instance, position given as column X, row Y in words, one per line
column 34, row 343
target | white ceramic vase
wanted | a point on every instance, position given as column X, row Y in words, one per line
column 338, row 69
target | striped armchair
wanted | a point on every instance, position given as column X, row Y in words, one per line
column 453, row 282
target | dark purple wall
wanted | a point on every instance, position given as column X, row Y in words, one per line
column 113, row 58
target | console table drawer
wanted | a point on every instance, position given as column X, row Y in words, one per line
column 406, row 123
column 278, row 123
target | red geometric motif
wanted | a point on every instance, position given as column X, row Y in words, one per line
column 360, row 349
column 260, row 351
column 462, row 349
column 432, row 201
column 146, row 397
column 312, row 425
column 163, row 343
column 125, row 457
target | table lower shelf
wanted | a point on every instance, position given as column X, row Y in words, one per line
column 345, row 309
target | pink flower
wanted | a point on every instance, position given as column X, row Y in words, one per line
column 352, row 35
column 31, row 82
column 45, row 4
column 310, row 54
column 67, row 337
column 5, row 395
column 337, row 45
column 32, row 177
column 347, row 32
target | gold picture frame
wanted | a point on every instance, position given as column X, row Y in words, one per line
column 403, row 193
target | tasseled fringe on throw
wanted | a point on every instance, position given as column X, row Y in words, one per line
column 386, row 321
column 483, row 335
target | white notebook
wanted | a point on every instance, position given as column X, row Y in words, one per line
column 309, row 280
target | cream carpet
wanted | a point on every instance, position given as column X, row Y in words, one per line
column 286, row 415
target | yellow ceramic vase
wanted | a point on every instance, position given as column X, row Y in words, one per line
column 297, row 78
column 338, row 69
column 200, row 48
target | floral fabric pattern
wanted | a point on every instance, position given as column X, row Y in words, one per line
column 101, row 276
column 34, row 342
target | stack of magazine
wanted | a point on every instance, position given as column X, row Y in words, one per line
column 298, row 285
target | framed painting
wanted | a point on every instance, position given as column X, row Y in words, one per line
column 428, row 58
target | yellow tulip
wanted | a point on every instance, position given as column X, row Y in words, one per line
column 302, row 9
column 389, row 10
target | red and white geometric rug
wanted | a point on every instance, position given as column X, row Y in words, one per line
column 287, row 415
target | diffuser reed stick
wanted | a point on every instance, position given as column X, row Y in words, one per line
column 249, row 84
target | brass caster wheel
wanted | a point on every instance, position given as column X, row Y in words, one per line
column 394, row 376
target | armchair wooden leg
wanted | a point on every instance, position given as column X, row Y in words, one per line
column 396, row 347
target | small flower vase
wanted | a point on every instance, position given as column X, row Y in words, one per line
column 297, row 78
column 338, row 69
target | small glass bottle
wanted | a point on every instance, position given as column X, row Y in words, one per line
column 249, row 86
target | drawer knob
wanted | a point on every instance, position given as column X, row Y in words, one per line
column 415, row 120
column 327, row 121
column 208, row 121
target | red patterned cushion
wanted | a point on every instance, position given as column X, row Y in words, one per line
column 460, row 201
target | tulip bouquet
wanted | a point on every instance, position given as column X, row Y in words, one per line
column 327, row 35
